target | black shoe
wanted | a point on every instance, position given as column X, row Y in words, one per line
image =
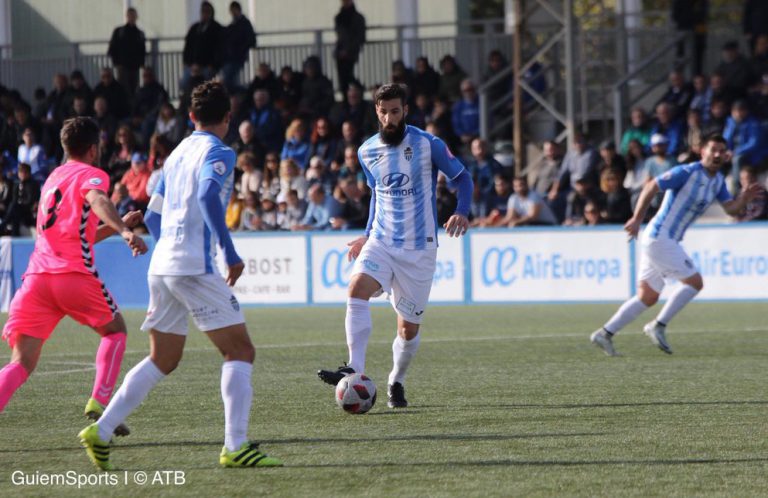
column 333, row 377
column 396, row 394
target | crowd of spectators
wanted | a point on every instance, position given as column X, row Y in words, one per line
column 296, row 142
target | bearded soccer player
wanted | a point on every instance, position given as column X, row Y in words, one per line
column 399, row 250
column 689, row 190
column 61, row 279
column 186, row 216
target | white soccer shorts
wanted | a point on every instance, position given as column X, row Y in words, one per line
column 663, row 259
column 407, row 273
column 206, row 297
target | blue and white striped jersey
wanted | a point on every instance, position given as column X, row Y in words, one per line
column 186, row 245
column 689, row 192
column 404, row 180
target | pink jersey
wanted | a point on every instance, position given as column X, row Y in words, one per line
column 66, row 227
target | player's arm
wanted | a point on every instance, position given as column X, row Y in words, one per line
column 735, row 207
column 106, row 211
column 461, row 180
column 153, row 218
column 216, row 169
column 356, row 245
column 132, row 219
column 672, row 179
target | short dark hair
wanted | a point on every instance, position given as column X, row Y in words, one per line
column 78, row 135
column 210, row 103
column 26, row 167
column 235, row 5
column 715, row 137
column 391, row 91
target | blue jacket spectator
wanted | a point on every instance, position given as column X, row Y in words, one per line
column 319, row 209
column 745, row 136
column 267, row 122
column 296, row 146
column 483, row 168
column 671, row 128
column 465, row 116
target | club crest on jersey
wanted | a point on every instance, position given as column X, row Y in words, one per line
column 408, row 153
column 219, row 167
column 396, row 180
column 95, row 181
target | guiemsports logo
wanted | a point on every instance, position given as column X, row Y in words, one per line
column 336, row 269
column 396, row 180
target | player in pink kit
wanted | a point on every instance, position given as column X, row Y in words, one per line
column 61, row 278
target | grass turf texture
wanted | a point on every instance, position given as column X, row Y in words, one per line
column 505, row 401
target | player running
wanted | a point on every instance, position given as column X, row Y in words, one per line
column 690, row 189
column 61, row 278
column 399, row 250
column 186, row 216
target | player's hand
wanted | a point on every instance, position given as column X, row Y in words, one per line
column 233, row 273
column 632, row 227
column 751, row 192
column 136, row 243
column 355, row 247
column 133, row 219
column 457, row 225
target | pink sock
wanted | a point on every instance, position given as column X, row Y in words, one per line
column 109, row 357
column 12, row 376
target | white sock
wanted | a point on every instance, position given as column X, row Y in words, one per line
column 136, row 385
column 237, row 394
column 676, row 302
column 628, row 311
column 402, row 353
column 358, row 327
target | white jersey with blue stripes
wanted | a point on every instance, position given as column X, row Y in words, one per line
column 690, row 190
column 404, row 180
column 186, row 245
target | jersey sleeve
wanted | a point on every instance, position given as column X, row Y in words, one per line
column 444, row 160
column 674, row 178
column 368, row 175
column 93, row 179
column 218, row 165
column 723, row 195
column 156, row 200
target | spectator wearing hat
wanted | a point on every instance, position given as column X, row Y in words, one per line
column 735, row 68
column 136, row 179
column 745, row 138
column 127, row 49
column 669, row 126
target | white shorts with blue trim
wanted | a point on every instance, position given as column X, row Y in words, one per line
column 404, row 273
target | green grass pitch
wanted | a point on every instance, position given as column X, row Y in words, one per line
column 505, row 401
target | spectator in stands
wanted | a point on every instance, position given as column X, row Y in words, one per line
column 351, row 168
column 169, row 124
column 584, row 191
column 466, row 113
column 721, row 91
column 106, row 143
column 592, row 214
column 445, row 200
column 691, row 16
column 401, row 74
column 125, row 146
column 637, row 175
column 118, row 100
column 694, row 138
column 758, row 99
column 322, row 141
column 442, row 121
column 295, row 208
column 137, row 178
column 526, row 207
column 618, row 200
column 202, row 45
column 289, row 90
column 420, row 111
column 451, row 76
column 147, row 102
column 80, row 88
column 237, row 39
column 350, row 28
column 349, row 138
column 291, row 178
column 234, row 211
column 250, row 217
column 247, row 141
column 357, row 206
column 250, row 179
column 497, row 64
column 545, row 172
column 32, row 153
column 718, row 114
column 265, row 79
column 296, row 145
column 122, row 200
column 20, row 218
column 610, row 159
column 267, row 122
column 746, row 140
column 658, row 163
column 579, row 163
column 80, row 107
column 6, row 193
column 319, row 210
column 736, row 71
column 495, row 204
column 426, row 81
column 639, row 129
column 669, row 126
column 483, row 168
column 318, row 174
column 702, row 96
column 271, row 218
column 759, row 60
column 316, row 90
column 271, row 176
column 192, row 78
column 755, row 20
column 127, row 49
column 159, row 150
column 58, row 107
column 355, row 109
column 757, row 208
column 103, row 116
column 679, row 93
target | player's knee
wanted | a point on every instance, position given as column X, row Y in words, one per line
column 166, row 364
column 408, row 331
column 649, row 297
column 696, row 282
column 244, row 352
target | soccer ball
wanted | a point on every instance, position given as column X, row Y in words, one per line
column 356, row 393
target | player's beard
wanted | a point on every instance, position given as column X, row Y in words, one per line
column 392, row 135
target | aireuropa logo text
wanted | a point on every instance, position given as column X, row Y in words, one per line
column 503, row 266
column 727, row 264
